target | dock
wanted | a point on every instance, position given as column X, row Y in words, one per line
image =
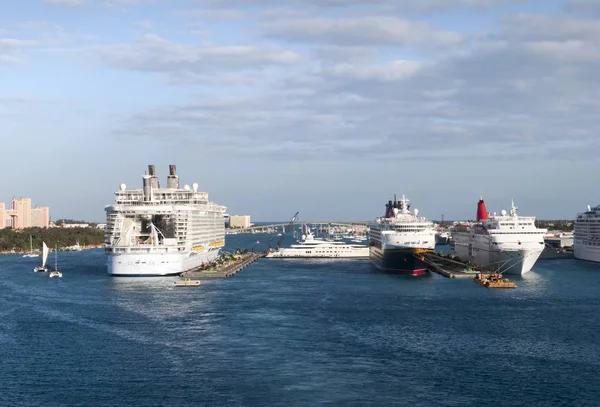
column 448, row 267
column 226, row 270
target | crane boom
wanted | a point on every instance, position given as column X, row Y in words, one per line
column 287, row 229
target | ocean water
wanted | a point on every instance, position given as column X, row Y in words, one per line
column 293, row 332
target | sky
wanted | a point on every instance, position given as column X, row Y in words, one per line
column 327, row 107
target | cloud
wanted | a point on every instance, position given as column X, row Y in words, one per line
column 360, row 31
column 583, row 6
column 155, row 54
column 528, row 89
column 9, row 46
column 210, row 14
column 70, row 3
column 405, row 6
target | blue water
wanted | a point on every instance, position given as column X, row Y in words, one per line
column 297, row 333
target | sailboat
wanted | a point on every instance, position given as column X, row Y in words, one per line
column 45, row 252
column 31, row 253
column 55, row 272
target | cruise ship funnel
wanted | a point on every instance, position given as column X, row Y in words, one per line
column 172, row 179
column 153, row 178
column 482, row 213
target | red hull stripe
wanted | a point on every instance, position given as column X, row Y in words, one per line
column 400, row 271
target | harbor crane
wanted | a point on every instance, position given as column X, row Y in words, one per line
column 286, row 230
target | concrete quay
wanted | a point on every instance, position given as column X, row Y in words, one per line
column 226, row 270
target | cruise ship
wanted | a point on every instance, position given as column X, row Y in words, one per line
column 311, row 247
column 507, row 243
column 587, row 235
column 399, row 238
column 157, row 231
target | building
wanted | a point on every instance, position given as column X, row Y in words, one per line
column 239, row 222
column 22, row 216
column 74, row 225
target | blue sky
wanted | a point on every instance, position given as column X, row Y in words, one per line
column 327, row 107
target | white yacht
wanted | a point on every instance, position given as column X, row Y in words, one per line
column 399, row 237
column 158, row 231
column 507, row 243
column 311, row 247
column 587, row 235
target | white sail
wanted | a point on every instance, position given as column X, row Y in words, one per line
column 45, row 252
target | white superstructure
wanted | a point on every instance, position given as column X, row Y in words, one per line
column 311, row 247
column 398, row 236
column 587, row 235
column 162, row 231
column 506, row 243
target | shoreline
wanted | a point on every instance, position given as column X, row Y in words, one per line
column 60, row 249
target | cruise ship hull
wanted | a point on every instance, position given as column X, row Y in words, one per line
column 587, row 252
column 516, row 262
column 157, row 264
column 400, row 260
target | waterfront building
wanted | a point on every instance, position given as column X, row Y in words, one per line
column 239, row 222
column 21, row 215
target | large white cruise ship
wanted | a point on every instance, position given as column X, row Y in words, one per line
column 398, row 238
column 507, row 243
column 587, row 235
column 157, row 231
column 311, row 247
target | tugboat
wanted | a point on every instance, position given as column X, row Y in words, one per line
column 494, row 280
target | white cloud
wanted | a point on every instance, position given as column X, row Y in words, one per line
column 10, row 46
column 71, row 3
column 526, row 88
column 406, row 6
column 360, row 31
column 153, row 53
column 210, row 14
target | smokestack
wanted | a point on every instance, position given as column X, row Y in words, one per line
column 153, row 178
column 147, row 180
column 388, row 210
column 481, row 210
column 172, row 179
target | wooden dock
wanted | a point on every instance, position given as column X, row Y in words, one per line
column 226, row 270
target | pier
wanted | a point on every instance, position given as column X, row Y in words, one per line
column 448, row 267
column 226, row 270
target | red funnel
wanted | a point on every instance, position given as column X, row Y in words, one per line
column 481, row 210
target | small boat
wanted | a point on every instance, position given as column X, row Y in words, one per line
column 43, row 266
column 258, row 241
column 31, row 253
column 56, row 272
column 186, row 283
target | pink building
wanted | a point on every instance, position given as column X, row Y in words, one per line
column 21, row 215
